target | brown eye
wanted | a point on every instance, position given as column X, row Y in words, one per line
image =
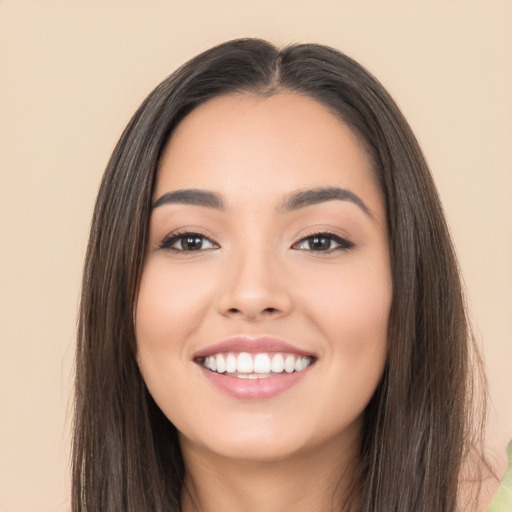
column 323, row 242
column 191, row 243
column 319, row 243
column 187, row 242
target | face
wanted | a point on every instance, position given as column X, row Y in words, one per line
column 263, row 305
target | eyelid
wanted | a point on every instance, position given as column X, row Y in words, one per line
column 343, row 241
column 172, row 237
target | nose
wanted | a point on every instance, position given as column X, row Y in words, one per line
column 255, row 288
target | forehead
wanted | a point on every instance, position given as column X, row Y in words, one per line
column 245, row 145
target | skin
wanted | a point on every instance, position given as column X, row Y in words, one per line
column 256, row 274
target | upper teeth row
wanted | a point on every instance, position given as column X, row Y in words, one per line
column 257, row 363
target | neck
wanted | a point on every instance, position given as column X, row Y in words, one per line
column 315, row 480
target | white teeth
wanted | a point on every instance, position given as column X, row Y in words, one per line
column 277, row 365
column 244, row 363
column 221, row 363
column 289, row 364
column 254, row 366
column 262, row 363
column 302, row 363
column 231, row 363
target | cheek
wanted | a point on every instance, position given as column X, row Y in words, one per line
column 353, row 299
column 350, row 307
column 170, row 302
column 352, row 311
column 170, row 305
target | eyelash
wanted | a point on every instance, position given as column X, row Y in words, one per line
column 171, row 239
column 343, row 243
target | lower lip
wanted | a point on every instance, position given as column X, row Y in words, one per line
column 255, row 389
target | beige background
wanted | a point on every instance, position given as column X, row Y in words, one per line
column 71, row 75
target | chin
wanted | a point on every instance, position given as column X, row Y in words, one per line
column 261, row 440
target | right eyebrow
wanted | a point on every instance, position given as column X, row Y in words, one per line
column 303, row 198
column 191, row 196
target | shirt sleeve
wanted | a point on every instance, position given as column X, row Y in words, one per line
column 503, row 500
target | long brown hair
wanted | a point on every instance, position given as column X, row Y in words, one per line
column 417, row 430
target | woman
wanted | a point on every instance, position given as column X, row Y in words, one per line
column 271, row 314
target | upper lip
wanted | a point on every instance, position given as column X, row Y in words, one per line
column 252, row 345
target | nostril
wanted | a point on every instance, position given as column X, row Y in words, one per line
column 269, row 310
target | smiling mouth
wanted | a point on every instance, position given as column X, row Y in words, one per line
column 245, row 365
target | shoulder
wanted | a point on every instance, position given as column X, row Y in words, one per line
column 502, row 501
column 480, row 489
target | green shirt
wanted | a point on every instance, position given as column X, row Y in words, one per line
column 503, row 499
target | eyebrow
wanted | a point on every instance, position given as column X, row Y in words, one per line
column 191, row 196
column 292, row 202
column 305, row 198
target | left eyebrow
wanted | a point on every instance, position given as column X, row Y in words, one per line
column 191, row 196
column 304, row 198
